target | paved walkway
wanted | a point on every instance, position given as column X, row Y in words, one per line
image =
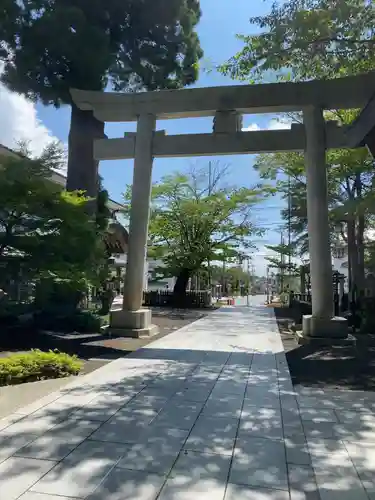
column 208, row 412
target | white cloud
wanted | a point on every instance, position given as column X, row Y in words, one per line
column 273, row 124
column 252, row 127
column 19, row 121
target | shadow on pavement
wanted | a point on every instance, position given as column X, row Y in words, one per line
column 179, row 423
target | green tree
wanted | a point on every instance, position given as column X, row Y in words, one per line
column 301, row 40
column 232, row 278
column 304, row 39
column 51, row 46
column 46, row 231
column 196, row 218
column 350, row 176
column 280, row 261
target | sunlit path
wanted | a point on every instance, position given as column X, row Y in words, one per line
column 208, row 412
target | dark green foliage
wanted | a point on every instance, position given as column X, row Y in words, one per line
column 66, row 322
column 52, row 46
column 52, row 293
column 44, row 231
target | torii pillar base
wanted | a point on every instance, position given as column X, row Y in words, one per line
column 133, row 324
column 324, row 331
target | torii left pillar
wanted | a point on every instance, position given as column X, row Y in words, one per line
column 132, row 320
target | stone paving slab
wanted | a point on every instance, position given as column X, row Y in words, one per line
column 208, row 412
column 13, row 397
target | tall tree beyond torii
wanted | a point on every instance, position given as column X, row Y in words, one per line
column 50, row 46
column 301, row 40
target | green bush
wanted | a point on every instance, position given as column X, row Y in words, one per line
column 10, row 312
column 80, row 321
column 52, row 294
column 37, row 365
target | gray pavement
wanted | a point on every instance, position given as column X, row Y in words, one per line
column 13, row 397
column 207, row 412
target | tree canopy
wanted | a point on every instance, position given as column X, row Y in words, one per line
column 304, row 39
column 44, row 230
column 301, row 40
column 196, row 218
column 50, row 46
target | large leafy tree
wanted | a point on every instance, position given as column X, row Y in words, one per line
column 44, row 231
column 300, row 40
column 50, row 46
column 195, row 219
column 350, row 175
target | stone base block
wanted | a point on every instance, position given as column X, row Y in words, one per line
column 324, row 328
column 325, row 341
column 335, row 327
column 133, row 324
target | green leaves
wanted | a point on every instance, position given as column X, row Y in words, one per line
column 51, row 46
column 304, row 39
column 43, row 228
column 196, row 218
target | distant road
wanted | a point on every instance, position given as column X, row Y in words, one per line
column 254, row 300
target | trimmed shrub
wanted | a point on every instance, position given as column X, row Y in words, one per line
column 55, row 294
column 11, row 311
column 37, row 365
column 80, row 321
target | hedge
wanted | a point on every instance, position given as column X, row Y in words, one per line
column 79, row 321
column 37, row 365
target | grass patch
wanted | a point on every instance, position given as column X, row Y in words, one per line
column 37, row 365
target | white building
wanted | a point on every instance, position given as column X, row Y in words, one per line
column 340, row 260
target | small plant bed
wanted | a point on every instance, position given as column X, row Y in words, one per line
column 93, row 349
column 37, row 365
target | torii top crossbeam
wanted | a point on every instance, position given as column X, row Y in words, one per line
column 340, row 93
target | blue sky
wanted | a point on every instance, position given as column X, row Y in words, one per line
column 221, row 20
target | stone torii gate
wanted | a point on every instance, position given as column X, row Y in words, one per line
column 227, row 105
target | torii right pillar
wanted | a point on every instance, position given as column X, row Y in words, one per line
column 321, row 325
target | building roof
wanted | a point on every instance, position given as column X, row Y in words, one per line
column 116, row 238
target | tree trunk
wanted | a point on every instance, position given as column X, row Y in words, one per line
column 82, row 168
column 360, row 241
column 361, row 254
column 352, row 256
column 303, row 279
column 179, row 290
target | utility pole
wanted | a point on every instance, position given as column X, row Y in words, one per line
column 248, row 287
column 282, row 261
column 223, row 275
column 209, row 194
column 289, row 225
